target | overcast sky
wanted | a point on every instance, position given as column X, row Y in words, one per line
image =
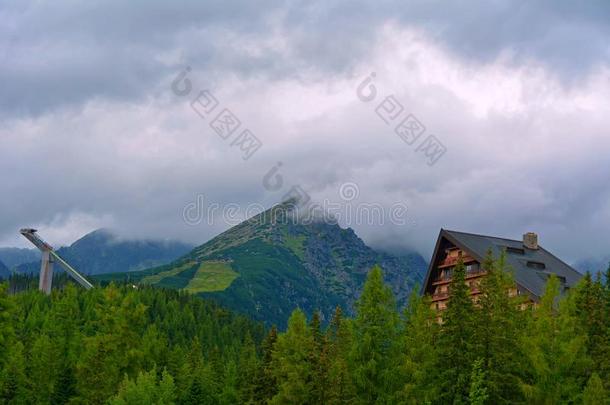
column 93, row 135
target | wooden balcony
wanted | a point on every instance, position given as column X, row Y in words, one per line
column 445, row 295
column 452, row 261
column 440, row 296
column 469, row 275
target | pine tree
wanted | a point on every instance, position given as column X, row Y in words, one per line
column 98, row 369
column 42, row 369
column 196, row 394
column 421, row 333
column 478, row 384
column 375, row 356
column 316, row 330
column 146, row 390
column 291, row 362
column 65, row 385
column 248, row 375
column 456, row 342
column 166, row 390
column 179, row 368
column 498, row 326
column 319, row 361
column 605, row 361
column 594, row 393
column 591, row 313
column 266, row 383
column 555, row 349
column 13, row 379
column 7, row 333
column 230, row 390
column 339, row 381
column 203, row 389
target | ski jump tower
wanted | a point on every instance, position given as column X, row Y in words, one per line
column 48, row 258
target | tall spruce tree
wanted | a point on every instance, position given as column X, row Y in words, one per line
column 230, row 385
column 556, row 350
column 248, row 371
column 478, row 384
column 7, row 314
column 456, row 343
column 146, row 389
column 375, row 359
column 319, row 361
column 291, row 362
column 420, row 336
column 595, row 393
column 65, row 384
column 42, row 367
column 266, row 383
column 13, row 378
column 498, row 325
column 338, row 336
column 591, row 313
column 605, row 364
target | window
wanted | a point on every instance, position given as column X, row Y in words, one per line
column 514, row 250
column 536, row 265
column 472, row 268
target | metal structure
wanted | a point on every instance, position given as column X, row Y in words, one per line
column 48, row 258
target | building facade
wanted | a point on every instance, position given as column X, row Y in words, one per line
column 530, row 264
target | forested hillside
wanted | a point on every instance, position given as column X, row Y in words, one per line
column 144, row 345
column 82, row 346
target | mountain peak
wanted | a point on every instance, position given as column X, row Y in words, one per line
column 279, row 260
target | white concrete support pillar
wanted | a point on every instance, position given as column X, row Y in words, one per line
column 46, row 273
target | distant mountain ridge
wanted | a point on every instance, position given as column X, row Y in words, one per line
column 4, row 271
column 269, row 265
column 13, row 257
column 101, row 252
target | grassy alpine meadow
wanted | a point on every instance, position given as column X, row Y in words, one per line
column 212, row 276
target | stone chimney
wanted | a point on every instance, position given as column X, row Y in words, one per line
column 530, row 240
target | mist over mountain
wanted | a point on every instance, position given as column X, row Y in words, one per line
column 101, row 251
column 13, row 257
column 272, row 263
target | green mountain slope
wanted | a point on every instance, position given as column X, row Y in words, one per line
column 269, row 265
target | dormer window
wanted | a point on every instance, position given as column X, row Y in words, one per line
column 536, row 265
column 515, row 251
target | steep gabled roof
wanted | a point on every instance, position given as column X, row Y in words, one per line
column 526, row 264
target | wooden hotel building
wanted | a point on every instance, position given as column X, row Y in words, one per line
column 531, row 264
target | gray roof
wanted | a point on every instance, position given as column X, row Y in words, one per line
column 531, row 279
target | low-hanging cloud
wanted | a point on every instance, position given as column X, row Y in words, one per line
column 93, row 135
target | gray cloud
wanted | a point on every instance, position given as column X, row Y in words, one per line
column 92, row 136
column 56, row 54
